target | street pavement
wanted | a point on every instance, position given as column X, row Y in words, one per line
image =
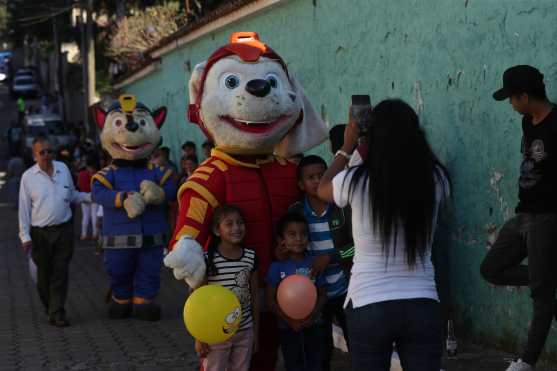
column 93, row 342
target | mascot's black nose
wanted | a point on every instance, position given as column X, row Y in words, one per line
column 258, row 87
column 132, row 126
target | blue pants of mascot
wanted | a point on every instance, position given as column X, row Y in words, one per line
column 134, row 279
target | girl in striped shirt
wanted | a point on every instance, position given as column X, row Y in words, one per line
column 231, row 265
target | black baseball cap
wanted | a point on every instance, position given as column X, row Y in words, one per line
column 521, row 78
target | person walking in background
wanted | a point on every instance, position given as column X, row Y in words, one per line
column 46, row 191
column 395, row 196
column 532, row 232
column 15, row 139
column 15, row 169
column 46, row 107
column 88, row 210
column 20, row 110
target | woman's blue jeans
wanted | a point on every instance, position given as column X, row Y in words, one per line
column 413, row 325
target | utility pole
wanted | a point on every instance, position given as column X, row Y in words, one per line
column 58, row 81
column 120, row 10
column 91, row 55
column 87, row 61
column 84, row 70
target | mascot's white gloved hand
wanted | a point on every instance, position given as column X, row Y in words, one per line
column 151, row 192
column 134, row 205
column 187, row 261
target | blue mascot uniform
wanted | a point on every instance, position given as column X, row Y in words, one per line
column 133, row 246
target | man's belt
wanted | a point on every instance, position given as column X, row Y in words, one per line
column 54, row 226
column 132, row 241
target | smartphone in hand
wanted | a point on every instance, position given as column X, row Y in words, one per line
column 361, row 113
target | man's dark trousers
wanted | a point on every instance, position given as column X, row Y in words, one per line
column 533, row 236
column 52, row 252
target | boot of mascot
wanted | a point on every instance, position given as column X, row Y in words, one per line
column 134, row 195
column 247, row 102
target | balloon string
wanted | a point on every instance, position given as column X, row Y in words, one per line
column 304, row 349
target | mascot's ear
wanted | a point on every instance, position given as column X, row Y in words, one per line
column 99, row 115
column 306, row 134
column 195, row 90
column 159, row 116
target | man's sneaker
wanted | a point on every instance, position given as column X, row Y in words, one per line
column 519, row 365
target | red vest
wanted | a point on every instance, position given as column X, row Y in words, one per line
column 263, row 191
column 264, row 196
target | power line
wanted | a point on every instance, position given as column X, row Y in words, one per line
column 41, row 18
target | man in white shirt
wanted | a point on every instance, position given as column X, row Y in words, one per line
column 45, row 227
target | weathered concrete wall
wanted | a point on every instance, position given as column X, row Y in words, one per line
column 445, row 58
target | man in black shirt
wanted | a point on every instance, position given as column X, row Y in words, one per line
column 532, row 233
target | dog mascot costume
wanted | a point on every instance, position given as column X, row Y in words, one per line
column 133, row 194
column 246, row 101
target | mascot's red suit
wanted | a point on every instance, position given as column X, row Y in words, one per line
column 245, row 100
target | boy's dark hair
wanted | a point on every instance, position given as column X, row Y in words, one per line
column 336, row 136
column 290, row 218
column 165, row 150
column 306, row 161
column 92, row 161
column 208, row 143
column 189, row 144
column 190, row 158
column 218, row 214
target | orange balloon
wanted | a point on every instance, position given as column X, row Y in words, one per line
column 297, row 296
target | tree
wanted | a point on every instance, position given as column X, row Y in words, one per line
column 134, row 34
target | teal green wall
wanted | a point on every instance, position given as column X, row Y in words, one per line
column 446, row 58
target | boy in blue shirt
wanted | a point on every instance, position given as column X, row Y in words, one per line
column 330, row 236
column 302, row 341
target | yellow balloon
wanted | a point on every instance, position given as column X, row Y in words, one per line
column 212, row 314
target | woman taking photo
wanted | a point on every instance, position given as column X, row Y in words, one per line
column 395, row 195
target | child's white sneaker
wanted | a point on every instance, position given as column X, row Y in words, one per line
column 519, row 365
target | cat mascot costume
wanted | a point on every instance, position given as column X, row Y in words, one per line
column 246, row 101
column 134, row 195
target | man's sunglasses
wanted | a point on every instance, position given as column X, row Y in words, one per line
column 46, row 152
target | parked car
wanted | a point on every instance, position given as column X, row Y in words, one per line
column 5, row 56
column 24, row 85
column 30, row 72
column 49, row 125
column 4, row 73
column 5, row 60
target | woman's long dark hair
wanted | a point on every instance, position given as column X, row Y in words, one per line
column 219, row 213
column 403, row 173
